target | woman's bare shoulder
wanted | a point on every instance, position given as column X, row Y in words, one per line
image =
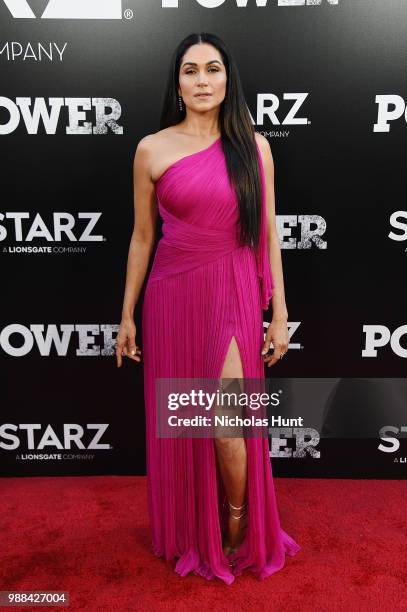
column 262, row 142
column 156, row 140
column 152, row 147
column 158, row 151
column 265, row 151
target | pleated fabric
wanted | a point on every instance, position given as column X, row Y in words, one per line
column 203, row 289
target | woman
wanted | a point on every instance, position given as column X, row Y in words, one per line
column 211, row 500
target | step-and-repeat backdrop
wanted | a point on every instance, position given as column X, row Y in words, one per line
column 81, row 84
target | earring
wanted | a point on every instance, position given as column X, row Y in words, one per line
column 180, row 103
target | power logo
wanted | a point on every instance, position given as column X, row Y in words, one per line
column 35, row 113
column 112, row 9
column 68, row 9
column 390, row 108
column 306, row 2
column 90, row 340
column 310, row 230
column 380, row 336
column 258, row 3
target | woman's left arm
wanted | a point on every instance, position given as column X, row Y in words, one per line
column 277, row 331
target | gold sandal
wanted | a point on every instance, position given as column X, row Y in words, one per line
column 234, row 549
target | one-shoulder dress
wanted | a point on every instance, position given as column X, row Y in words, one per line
column 203, row 288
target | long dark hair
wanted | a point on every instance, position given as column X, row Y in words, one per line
column 237, row 134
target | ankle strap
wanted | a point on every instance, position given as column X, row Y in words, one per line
column 238, row 517
column 237, row 507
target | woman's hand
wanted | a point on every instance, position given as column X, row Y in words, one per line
column 277, row 333
column 126, row 342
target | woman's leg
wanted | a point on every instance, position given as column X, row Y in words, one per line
column 232, row 454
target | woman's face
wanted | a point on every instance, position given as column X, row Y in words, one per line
column 202, row 71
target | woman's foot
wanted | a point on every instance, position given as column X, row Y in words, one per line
column 237, row 524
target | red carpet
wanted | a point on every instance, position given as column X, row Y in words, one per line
column 90, row 536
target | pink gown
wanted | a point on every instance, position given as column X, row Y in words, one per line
column 202, row 290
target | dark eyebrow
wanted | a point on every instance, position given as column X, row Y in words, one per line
column 195, row 64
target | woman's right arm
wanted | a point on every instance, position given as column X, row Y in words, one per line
column 141, row 246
